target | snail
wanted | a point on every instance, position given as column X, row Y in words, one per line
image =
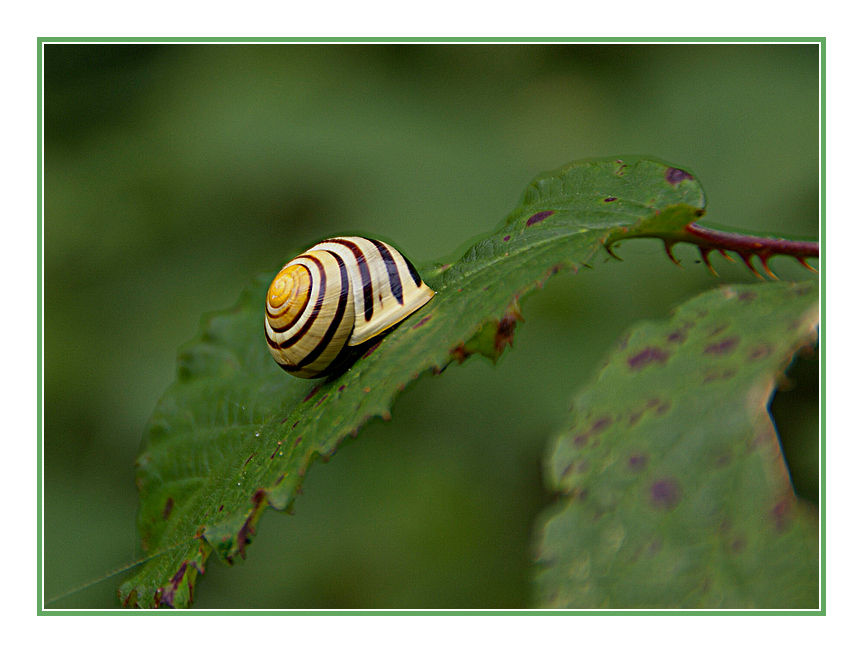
column 339, row 294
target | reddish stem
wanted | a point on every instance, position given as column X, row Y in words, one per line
column 755, row 245
column 747, row 247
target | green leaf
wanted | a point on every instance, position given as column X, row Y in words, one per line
column 234, row 434
column 675, row 491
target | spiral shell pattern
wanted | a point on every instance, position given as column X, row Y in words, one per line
column 337, row 295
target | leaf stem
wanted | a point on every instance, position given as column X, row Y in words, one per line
column 745, row 246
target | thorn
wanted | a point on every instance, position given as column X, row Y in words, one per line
column 748, row 261
column 704, row 253
column 609, row 250
column 806, row 265
column 668, row 251
column 726, row 255
column 764, row 260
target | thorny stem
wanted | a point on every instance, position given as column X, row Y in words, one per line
column 745, row 246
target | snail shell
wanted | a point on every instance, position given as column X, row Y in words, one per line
column 337, row 295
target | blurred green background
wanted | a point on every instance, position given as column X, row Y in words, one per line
column 175, row 173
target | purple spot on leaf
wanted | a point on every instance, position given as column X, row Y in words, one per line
column 719, row 374
column 677, row 337
column 506, row 238
column 637, row 462
column 665, row 494
column 372, row 348
column 538, row 217
column 781, row 514
column 647, row 356
column 610, row 199
column 676, row 175
column 762, row 351
column 723, row 347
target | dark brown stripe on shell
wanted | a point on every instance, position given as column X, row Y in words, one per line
column 414, row 274
column 392, row 270
column 337, row 318
column 365, row 275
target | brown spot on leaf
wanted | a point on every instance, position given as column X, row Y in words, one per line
column 747, row 296
column 675, row 175
column 505, row 333
column 506, row 328
column 647, row 356
column 312, row 393
column 538, row 217
column 166, row 511
column 247, row 530
column 637, row 462
column 459, row 354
